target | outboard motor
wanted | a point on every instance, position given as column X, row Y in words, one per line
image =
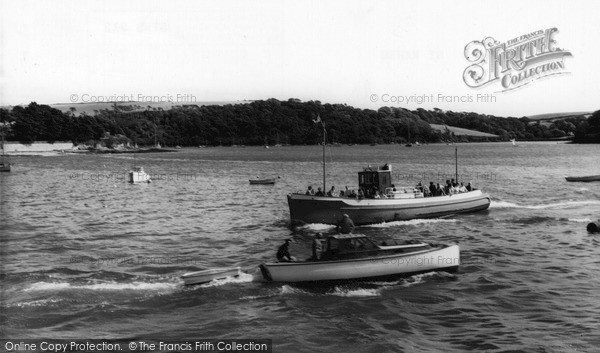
column 594, row 227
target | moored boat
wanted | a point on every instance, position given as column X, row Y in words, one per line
column 587, row 178
column 137, row 175
column 204, row 276
column 4, row 166
column 356, row 257
column 266, row 181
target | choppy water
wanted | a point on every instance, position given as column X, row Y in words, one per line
column 86, row 255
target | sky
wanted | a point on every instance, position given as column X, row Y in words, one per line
column 366, row 54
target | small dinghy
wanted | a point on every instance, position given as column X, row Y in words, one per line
column 264, row 181
column 212, row 274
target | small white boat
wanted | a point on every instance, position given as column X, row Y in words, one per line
column 356, row 257
column 4, row 166
column 137, row 175
column 204, row 276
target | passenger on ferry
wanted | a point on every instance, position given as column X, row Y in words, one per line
column 469, row 187
column 462, row 188
column 426, row 191
column 319, row 192
column 310, row 191
column 361, row 193
column 453, row 183
column 346, row 225
column 432, row 189
column 332, row 192
column 440, row 191
column 447, row 187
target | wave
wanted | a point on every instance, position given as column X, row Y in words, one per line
column 105, row 286
column 35, row 303
column 580, row 220
column 412, row 222
column 317, row 227
column 558, row 205
column 358, row 292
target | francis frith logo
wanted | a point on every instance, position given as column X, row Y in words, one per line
column 514, row 63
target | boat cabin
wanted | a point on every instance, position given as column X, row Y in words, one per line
column 353, row 246
column 375, row 180
column 346, row 244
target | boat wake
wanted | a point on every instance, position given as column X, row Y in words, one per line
column 412, row 222
column 101, row 286
column 316, row 227
column 558, row 205
column 356, row 292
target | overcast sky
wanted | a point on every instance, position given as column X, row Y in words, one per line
column 354, row 52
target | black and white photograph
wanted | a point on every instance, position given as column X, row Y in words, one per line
column 299, row 176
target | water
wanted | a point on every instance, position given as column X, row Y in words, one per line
column 86, row 255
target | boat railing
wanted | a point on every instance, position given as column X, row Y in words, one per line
column 404, row 246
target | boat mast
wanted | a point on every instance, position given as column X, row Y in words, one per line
column 324, row 132
column 456, row 163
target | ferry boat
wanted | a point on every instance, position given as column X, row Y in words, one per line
column 356, row 257
column 402, row 204
column 392, row 205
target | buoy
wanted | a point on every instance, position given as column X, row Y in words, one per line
column 594, row 227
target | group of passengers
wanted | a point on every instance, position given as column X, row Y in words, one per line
column 450, row 188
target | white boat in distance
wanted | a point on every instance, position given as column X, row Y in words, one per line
column 137, row 175
column 355, row 257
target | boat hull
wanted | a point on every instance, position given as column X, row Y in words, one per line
column 584, row 178
column 438, row 259
column 262, row 181
column 329, row 210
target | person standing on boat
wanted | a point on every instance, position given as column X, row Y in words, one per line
column 283, row 253
column 317, row 247
column 345, row 226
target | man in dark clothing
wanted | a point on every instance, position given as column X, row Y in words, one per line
column 317, row 247
column 283, row 254
column 345, row 226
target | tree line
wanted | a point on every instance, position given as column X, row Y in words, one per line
column 276, row 122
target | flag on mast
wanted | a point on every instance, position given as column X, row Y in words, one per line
column 318, row 120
